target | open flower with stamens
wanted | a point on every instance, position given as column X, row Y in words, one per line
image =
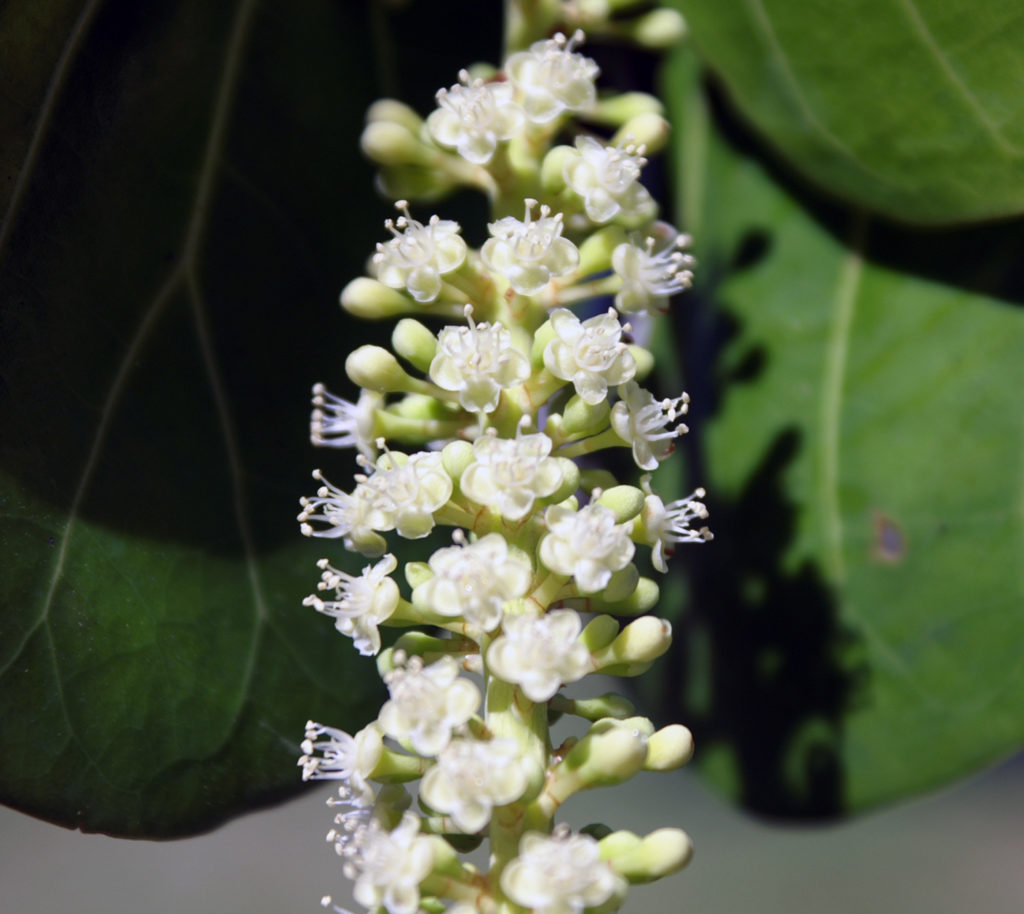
column 427, row 703
column 349, row 516
column 473, row 117
column 608, row 180
column 336, row 422
column 478, row 361
column 559, row 874
column 472, row 777
column 644, row 422
column 530, row 252
column 419, row 255
column 589, row 353
column 341, row 756
column 362, row 601
column 508, row 474
column 407, row 491
column 665, row 525
column 588, row 544
column 388, row 866
column 652, row 272
column 473, row 580
column 540, row 654
column 552, row 78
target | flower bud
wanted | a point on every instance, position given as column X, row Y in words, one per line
column 599, row 633
column 658, row 29
column 596, row 251
column 644, row 362
column 390, row 110
column 553, row 167
column 659, row 854
column 623, row 582
column 579, row 418
column 372, row 300
column 641, row 641
column 543, row 335
column 648, row 129
column 669, row 748
column 594, row 709
column 611, row 752
column 414, row 342
column 626, row 501
column 388, row 143
column 417, row 573
column 455, row 457
column 376, row 369
column 414, row 182
column 615, row 110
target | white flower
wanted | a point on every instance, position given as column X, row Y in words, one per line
column 427, row 703
column 507, row 474
column 590, row 353
column 642, row 421
column 474, row 116
column 407, row 491
column 607, row 178
column 475, row 580
column 587, row 544
column 350, row 516
column 478, row 361
column 336, row 422
column 540, row 654
column 471, row 778
column 553, row 79
column 419, row 255
column 351, row 759
column 529, row 252
column 649, row 278
column 560, row 874
column 363, row 601
column 388, row 867
column 664, row 525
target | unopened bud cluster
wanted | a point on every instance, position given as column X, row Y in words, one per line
column 508, row 364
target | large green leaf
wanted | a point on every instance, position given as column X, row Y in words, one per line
column 857, row 630
column 910, row 108
column 185, row 199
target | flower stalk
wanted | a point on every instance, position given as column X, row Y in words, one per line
column 476, row 427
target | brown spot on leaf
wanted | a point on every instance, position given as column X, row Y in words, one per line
column 889, row 544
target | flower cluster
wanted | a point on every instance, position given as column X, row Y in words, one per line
column 507, row 365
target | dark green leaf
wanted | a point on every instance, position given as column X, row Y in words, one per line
column 910, row 108
column 184, row 198
column 858, row 623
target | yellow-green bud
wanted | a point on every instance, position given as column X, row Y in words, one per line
column 641, row 641
column 596, row 251
column 659, row 854
column 594, row 709
column 658, row 30
column 622, row 583
column 543, row 335
column 597, row 479
column 388, row 143
column 570, row 480
column 599, row 633
column 374, row 368
column 455, row 457
column 389, row 109
column 579, row 418
column 414, row 182
column 420, row 406
column 611, row 752
column 414, row 342
column 552, row 169
column 669, row 748
column 417, row 573
column 615, row 110
column 650, row 129
column 369, row 299
column 626, row 501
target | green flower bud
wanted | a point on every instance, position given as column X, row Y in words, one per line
column 640, row 642
column 376, row 369
column 388, row 143
column 644, row 362
column 599, row 633
column 623, row 582
column 610, row 753
column 659, row 854
column 371, row 300
column 417, row 573
column 596, row 251
column 414, row 342
column 420, row 406
column 541, row 337
column 389, row 109
column 553, row 167
column 594, row 709
column 414, row 182
column 579, row 418
column 626, row 501
column 570, row 481
column 649, row 129
column 615, row 110
column 658, row 29
column 455, row 457
column 669, row 748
